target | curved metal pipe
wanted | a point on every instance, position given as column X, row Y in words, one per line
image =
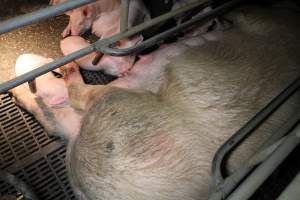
column 248, row 128
column 231, row 182
column 158, row 38
column 145, row 25
column 107, row 41
column 262, row 172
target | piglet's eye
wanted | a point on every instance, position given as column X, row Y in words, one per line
column 57, row 75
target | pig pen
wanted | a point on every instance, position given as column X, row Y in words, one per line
column 25, row 148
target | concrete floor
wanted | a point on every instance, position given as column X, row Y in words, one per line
column 42, row 38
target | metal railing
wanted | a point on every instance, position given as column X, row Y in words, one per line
column 225, row 185
column 42, row 14
column 104, row 44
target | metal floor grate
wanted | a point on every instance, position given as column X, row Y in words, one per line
column 29, row 153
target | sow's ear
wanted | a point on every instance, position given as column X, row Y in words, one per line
column 83, row 96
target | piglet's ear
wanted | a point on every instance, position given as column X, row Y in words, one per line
column 82, row 96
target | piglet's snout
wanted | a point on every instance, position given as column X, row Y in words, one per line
column 50, row 87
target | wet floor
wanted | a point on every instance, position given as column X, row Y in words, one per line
column 41, row 38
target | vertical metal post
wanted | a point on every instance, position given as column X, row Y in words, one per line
column 124, row 16
column 123, row 26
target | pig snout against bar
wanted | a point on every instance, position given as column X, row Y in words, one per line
column 103, row 45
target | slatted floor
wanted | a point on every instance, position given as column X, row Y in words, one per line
column 28, row 152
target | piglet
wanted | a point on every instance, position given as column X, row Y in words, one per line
column 159, row 144
column 48, row 100
column 103, row 18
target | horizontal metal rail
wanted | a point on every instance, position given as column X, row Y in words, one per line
column 105, row 49
column 50, row 11
column 158, row 38
column 148, row 24
column 247, row 129
column 4, row 87
column 262, row 172
column 231, row 182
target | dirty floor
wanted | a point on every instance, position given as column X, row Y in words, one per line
column 41, row 38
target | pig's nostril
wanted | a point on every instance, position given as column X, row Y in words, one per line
column 85, row 13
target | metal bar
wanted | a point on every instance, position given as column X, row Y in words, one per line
column 262, row 155
column 124, row 16
column 26, row 19
column 229, row 184
column 148, row 24
column 94, row 47
column 291, row 192
column 279, row 134
column 233, row 180
column 262, row 172
column 154, row 40
column 248, row 128
column 44, row 69
column 105, row 42
column 145, row 25
column 19, row 185
column 123, row 26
